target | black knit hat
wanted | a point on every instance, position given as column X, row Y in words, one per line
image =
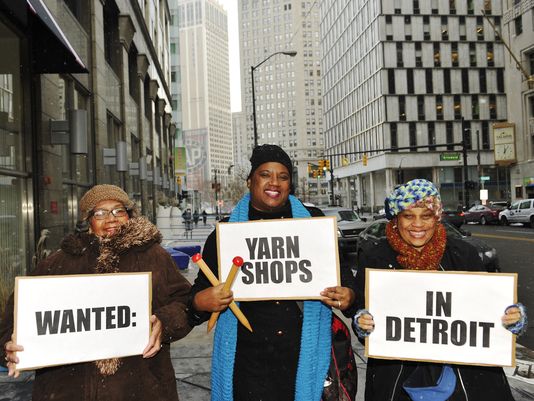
column 269, row 153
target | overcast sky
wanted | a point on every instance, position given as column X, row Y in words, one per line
column 233, row 45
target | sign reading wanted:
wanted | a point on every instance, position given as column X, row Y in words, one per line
column 79, row 318
column 452, row 317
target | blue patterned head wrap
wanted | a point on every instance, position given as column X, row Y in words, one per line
column 415, row 193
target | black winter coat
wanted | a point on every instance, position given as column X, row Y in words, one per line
column 385, row 377
column 266, row 360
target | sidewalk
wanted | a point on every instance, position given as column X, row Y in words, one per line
column 191, row 356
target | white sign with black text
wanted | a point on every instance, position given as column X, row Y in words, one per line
column 283, row 258
column 78, row 318
column 452, row 317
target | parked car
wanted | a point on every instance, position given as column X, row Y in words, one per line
column 454, row 217
column 482, row 214
column 519, row 212
column 487, row 254
column 349, row 225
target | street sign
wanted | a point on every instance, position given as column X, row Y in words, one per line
column 484, row 178
column 449, row 156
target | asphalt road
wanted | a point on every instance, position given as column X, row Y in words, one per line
column 515, row 246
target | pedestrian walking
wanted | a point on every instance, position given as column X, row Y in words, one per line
column 195, row 217
column 188, row 223
column 416, row 240
column 118, row 240
column 204, row 216
column 285, row 353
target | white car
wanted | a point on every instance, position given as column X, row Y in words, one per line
column 519, row 212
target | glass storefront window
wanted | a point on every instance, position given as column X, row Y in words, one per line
column 13, row 197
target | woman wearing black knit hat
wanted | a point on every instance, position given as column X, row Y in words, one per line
column 267, row 363
column 118, row 241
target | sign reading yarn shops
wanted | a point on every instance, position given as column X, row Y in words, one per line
column 452, row 317
column 283, row 258
column 79, row 318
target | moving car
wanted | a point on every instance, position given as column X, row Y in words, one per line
column 519, row 212
column 487, row 254
column 482, row 214
column 349, row 225
column 454, row 217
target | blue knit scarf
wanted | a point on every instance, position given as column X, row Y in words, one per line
column 314, row 357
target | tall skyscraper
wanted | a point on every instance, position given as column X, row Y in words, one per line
column 518, row 22
column 205, row 80
column 288, row 92
column 412, row 75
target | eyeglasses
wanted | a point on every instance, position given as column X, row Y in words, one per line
column 102, row 214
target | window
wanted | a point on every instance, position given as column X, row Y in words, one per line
column 393, row 135
column 452, row 6
column 402, row 108
column 416, row 9
column 487, row 6
column 454, row 54
column 413, row 136
column 470, row 7
column 500, row 81
column 493, row 107
column 400, row 62
column 489, row 55
column 482, row 81
column 465, row 80
column 426, row 27
column 437, row 55
column 472, row 55
column 480, row 28
column 418, row 55
column 111, row 35
column 466, row 127
column 428, row 81
column 420, row 107
column 457, row 107
column 431, row 136
column 439, row 107
column 485, row 135
column 449, row 135
column 447, row 81
column 391, row 81
column 463, row 35
column 518, row 25
column 475, row 108
column 444, row 28
column 409, row 76
column 133, row 79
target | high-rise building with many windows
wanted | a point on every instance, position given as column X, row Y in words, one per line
column 402, row 77
column 205, row 80
column 518, row 32
column 288, row 90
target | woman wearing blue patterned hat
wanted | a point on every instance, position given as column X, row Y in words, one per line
column 416, row 240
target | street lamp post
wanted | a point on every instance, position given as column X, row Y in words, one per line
column 252, row 69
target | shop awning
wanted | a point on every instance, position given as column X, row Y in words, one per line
column 51, row 50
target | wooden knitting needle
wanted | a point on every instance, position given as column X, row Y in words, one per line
column 237, row 263
column 197, row 258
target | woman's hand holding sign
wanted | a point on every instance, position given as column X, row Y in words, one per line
column 10, row 350
column 154, row 342
column 338, row 297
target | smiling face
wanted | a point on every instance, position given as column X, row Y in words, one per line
column 110, row 224
column 417, row 226
column 269, row 185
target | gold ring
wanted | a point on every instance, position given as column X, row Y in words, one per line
column 338, row 304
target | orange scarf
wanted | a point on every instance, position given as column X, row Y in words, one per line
column 409, row 257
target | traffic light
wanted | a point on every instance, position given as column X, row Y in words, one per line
column 314, row 174
column 327, row 163
column 309, row 168
column 321, row 164
column 364, row 159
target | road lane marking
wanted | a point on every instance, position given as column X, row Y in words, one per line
column 516, row 232
column 503, row 237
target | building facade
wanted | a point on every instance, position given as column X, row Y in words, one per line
column 518, row 32
column 287, row 90
column 403, row 77
column 84, row 100
column 205, row 78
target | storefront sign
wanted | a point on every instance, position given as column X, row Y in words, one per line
column 452, row 317
column 449, row 156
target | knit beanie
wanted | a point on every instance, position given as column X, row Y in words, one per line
column 269, row 153
column 415, row 193
column 102, row 192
